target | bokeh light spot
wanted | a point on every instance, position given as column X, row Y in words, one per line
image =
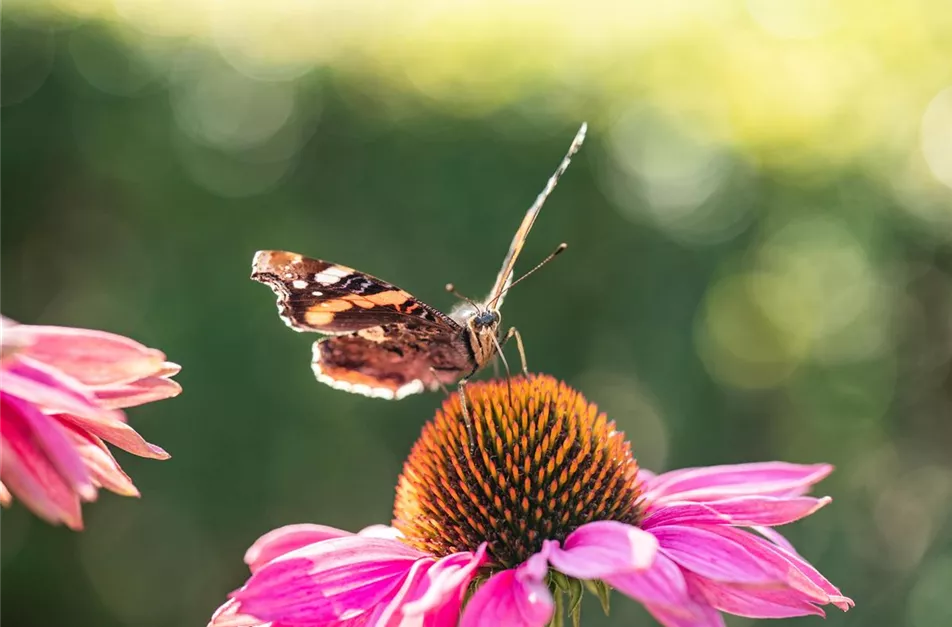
column 216, row 105
column 936, row 136
column 814, row 282
column 738, row 344
column 665, row 174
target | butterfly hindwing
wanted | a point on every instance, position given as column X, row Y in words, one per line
column 392, row 360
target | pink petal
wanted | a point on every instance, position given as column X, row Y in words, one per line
column 136, row 393
column 776, row 537
column 29, row 475
column 41, row 435
column 720, row 482
column 753, row 602
column 286, row 539
column 49, row 389
column 229, row 615
column 661, row 584
column 683, row 513
column 100, row 463
column 390, row 614
column 599, row 549
column 5, row 497
column 385, row 532
column 694, row 615
column 115, row 431
column 743, row 511
column 92, row 357
column 645, row 475
column 447, row 581
column 328, row 581
column 515, row 598
column 770, row 511
column 713, row 556
column 798, row 574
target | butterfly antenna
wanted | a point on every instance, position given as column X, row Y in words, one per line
column 555, row 253
column 503, row 280
column 452, row 290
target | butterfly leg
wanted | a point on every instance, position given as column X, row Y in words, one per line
column 466, row 418
column 514, row 333
column 505, row 365
column 437, row 378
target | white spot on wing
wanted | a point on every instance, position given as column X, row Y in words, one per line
column 299, row 284
column 316, row 293
column 332, row 275
column 413, row 387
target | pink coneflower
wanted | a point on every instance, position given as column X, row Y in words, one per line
column 548, row 498
column 61, row 390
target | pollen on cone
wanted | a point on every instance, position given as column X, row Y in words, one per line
column 542, row 463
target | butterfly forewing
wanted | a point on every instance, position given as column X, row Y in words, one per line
column 315, row 295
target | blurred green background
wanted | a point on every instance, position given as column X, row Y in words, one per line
column 760, row 261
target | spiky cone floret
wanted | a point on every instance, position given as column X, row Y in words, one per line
column 546, row 497
column 541, row 464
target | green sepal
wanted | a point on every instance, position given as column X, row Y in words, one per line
column 602, row 591
column 575, row 601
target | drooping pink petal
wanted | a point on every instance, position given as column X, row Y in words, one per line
column 40, row 435
column 753, row 601
column 683, row 513
column 28, row 473
column 385, row 532
column 327, row 581
column 599, row 549
column 286, row 539
column 100, row 463
column 692, row 615
column 798, row 574
column 390, row 614
column 446, row 583
column 742, row 510
column 5, row 497
column 714, row 556
column 49, row 389
column 136, row 393
column 515, row 598
column 660, row 584
column 115, row 431
column 721, row 482
column 776, row 537
column 229, row 615
column 90, row 356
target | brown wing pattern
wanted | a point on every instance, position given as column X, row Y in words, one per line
column 392, row 361
column 325, row 297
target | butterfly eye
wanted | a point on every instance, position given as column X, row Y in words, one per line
column 487, row 318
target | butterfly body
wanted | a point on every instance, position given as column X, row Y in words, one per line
column 381, row 341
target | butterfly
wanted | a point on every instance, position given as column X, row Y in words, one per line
column 381, row 341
